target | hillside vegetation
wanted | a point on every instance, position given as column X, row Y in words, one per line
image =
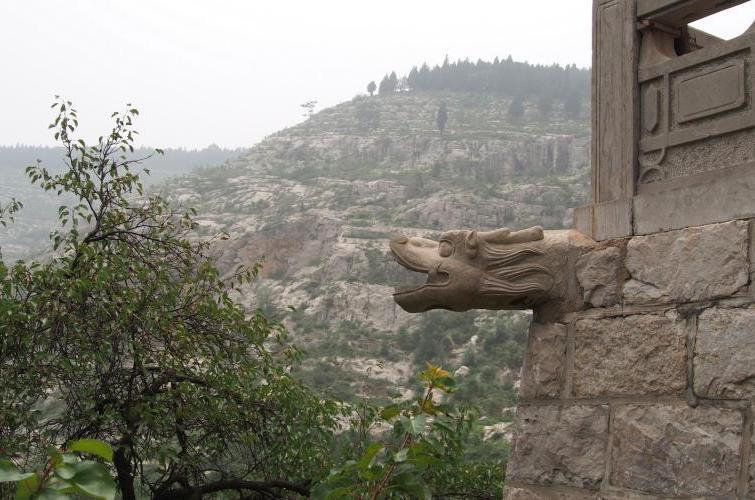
column 319, row 201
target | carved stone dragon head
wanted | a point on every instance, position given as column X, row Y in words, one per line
column 500, row 269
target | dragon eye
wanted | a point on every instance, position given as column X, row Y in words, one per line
column 445, row 249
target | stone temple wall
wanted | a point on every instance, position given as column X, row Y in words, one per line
column 647, row 391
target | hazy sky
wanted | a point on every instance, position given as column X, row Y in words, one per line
column 230, row 71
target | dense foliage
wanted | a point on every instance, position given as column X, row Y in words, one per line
column 124, row 352
column 67, row 471
column 422, row 455
column 127, row 333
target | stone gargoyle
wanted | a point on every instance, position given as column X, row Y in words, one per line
column 499, row 269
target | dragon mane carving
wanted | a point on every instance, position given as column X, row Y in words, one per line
column 500, row 269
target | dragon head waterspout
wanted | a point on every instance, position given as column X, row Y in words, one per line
column 476, row 270
column 500, row 269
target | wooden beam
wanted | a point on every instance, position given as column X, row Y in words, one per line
column 679, row 13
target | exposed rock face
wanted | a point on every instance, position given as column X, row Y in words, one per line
column 371, row 305
column 633, row 355
column 319, row 202
column 691, row 264
column 560, row 445
column 677, row 450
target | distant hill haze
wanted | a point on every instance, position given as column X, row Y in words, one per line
column 319, row 201
column 29, row 234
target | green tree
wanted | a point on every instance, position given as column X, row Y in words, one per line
column 371, row 88
column 385, row 86
column 127, row 333
column 421, row 457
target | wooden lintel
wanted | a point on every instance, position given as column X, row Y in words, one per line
column 679, row 13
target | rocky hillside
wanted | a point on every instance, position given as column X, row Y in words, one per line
column 318, row 201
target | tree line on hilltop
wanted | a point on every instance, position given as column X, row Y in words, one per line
column 518, row 80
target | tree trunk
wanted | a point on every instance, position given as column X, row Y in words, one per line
column 125, row 476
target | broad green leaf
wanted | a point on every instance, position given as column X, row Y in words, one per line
column 27, row 487
column 60, row 485
column 93, row 447
column 56, row 457
column 66, row 471
column 417, row 424
column 368, row 458
column 50, row 494
column 401, row 455
column 94, row 479
column 9, row 472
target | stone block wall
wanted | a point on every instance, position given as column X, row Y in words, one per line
column 646, row 392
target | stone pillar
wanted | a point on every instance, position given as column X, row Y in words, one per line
column 614, row 101
column 646, row 392
column 672, row 117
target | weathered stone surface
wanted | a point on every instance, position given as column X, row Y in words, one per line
column 676, row 450
column 613, row 219
column 598, row 273
column 643, row 355
column 716, row 196
column 751, row 486
column 696, row 263
column 543, row 369
column 637, row 292
column 561, row 493
column 560, row 445
column 752, row 255
column 724, row 361
column 535, row 493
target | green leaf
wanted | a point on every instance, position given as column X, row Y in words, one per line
column 412, row 485
column 368, row 458
column 401, row 455
column 417, row 424
column 389, row 412
column 27, row 487
column 66, row 471
column 50, row 494
column 93, row 447
column 94, row 479
column 9, row 472
column 446, row 384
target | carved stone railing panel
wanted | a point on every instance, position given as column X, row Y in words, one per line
column 673, row 142
column 696, row 112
